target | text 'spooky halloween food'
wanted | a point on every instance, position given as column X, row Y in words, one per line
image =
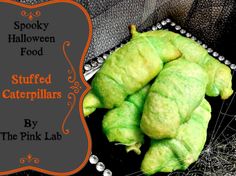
column 155, row 85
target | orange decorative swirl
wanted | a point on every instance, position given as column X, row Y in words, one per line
column 71, row 104
column 29, row 159
column 71, row 71
column 30, row 14
column 76, row 87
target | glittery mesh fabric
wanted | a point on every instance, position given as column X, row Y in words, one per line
column 208, row 20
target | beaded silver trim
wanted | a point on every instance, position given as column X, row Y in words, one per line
column 100, row 166
column 92, row 66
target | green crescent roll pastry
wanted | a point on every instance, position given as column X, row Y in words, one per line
column 168, row 155
column 127, row 70
column 91, row 103
column 121, row 124
column 177, row 91
column 220, row 78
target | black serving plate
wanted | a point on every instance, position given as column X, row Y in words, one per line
column 217, row 159
column 219, row 154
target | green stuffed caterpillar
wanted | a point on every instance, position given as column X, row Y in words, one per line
column 127, row 70
column 121, row 124
column 220, row 78
column 178, row 153
column 177, row 91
